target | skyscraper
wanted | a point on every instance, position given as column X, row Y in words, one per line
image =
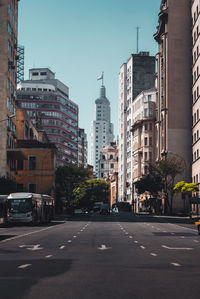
column 101, row 129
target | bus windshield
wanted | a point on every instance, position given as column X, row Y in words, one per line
column 23, row 205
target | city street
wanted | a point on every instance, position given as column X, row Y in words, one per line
column 108, row 256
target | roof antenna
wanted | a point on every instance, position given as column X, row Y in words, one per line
column 137, row 28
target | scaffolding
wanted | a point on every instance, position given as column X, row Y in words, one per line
column 20, row 63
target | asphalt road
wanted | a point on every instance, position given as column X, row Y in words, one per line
column 110, row 256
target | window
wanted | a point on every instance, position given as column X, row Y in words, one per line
column 150, row 127
column 146, row 127
column 145, row 156
column 111, row 165
column 145, row 112
column 32, row 188
column 102, row 166
column 35, row 74
column 145, row 141
column 150, row 141
column 149, row 98
column 32, row 162
column 43, row 73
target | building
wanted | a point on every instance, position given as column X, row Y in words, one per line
column 136, row 75
column 196, row 92
column 8, row 81
column 82, row 148
column 46, row 100
column 108, row 162
column 36, row 172
column 174, row 79
column 101, row 129
column 143, row 135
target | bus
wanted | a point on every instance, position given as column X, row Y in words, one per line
column 3, row 209
column 30, row 208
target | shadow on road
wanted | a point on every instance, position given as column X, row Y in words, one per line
column 15, row 283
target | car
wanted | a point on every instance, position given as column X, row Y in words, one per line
column 105, row 209
column 78, row 212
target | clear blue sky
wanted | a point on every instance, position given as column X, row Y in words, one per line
column 78, row 39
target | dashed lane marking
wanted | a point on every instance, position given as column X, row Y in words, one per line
column 142, row 247
column 69, row 241
column 24, row 266
column 175, row 264
column 136, row 242
column 48, row 256
column 153, row 254
column 62, row 247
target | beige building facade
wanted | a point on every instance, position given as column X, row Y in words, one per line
column 8, row 81
column 174, row 83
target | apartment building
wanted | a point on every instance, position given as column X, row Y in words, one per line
column 8, row 85
column 136, row 75
column 174, row 79
column 46, row 100
column 143, row 135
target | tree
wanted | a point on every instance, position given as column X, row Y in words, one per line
column 169, row 168
column 7, row 186
column 88, row 192
column 184, row 187
column 67, row 178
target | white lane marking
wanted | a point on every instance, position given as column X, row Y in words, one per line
column 62, row 247
column 136, row 242
column 104, row 247
column 69, row 241
column 48, row 256
column 24, row 266
column 78, row 233
column 177, row 248
column 28, row 234
column 153, row 254
column 175, row 264
column 74, row 236
column 142, row 247
column 130, row 237
column 126, row 233
column 182, row 237
column 172, row 233
column 196, row 241
column 31, row 247
column 81, row 230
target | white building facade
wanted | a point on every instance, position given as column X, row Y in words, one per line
column 101, row 129
column 136, row 75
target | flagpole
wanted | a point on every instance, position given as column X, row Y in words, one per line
column 102, row 78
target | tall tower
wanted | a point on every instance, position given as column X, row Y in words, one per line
column 8, row 81
column 101, row 129
column 136, row 75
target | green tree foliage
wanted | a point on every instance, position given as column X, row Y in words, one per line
column 67, row 178
column 183, row 187
column 88, row 192
column 7, row 186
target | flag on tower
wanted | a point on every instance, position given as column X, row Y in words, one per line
column 100, row 77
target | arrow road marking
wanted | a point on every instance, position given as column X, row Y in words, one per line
column 176, row 248
column 103, row 247
column 31, row 247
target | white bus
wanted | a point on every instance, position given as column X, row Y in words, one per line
column 30, row 208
